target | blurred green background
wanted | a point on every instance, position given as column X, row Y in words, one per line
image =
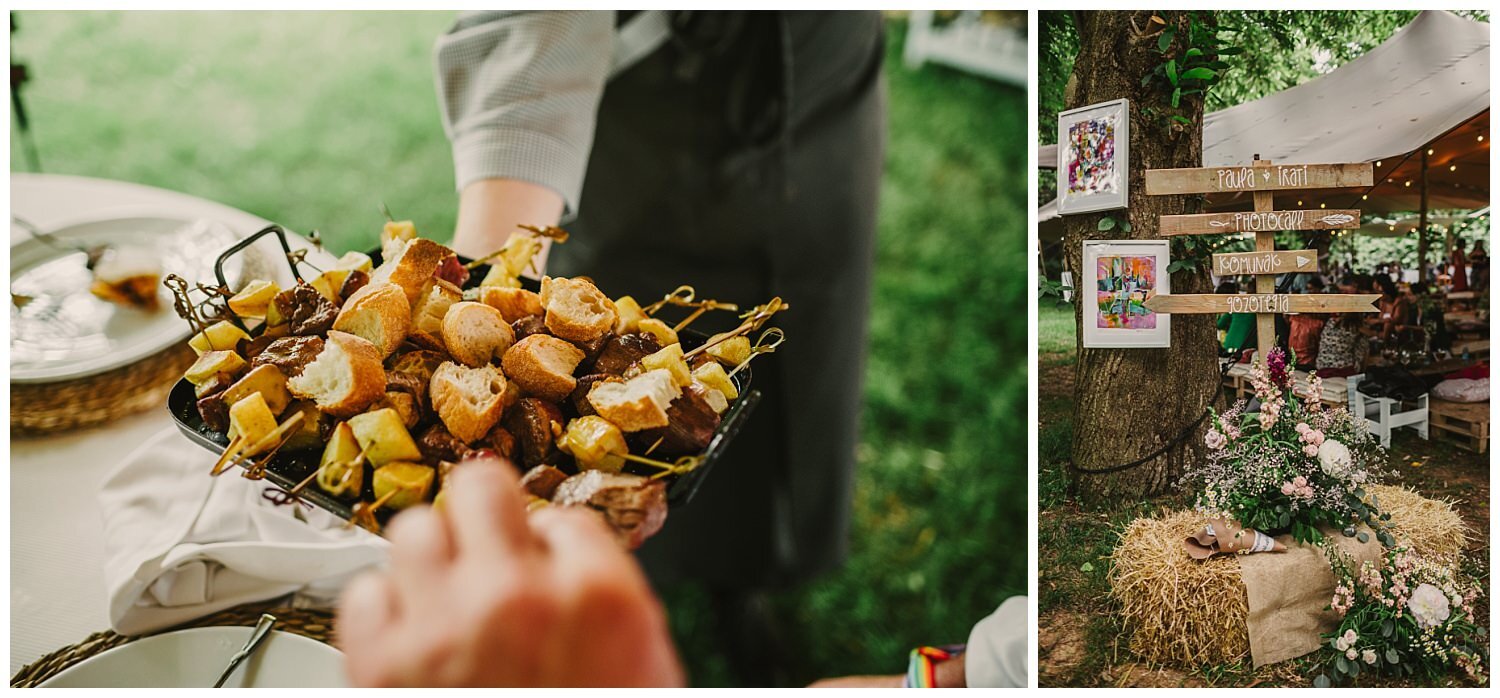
column 313, row 119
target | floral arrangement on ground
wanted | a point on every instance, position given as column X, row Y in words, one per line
column 1292, row 465
column 1407, row 616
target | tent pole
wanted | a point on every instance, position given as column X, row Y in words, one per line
column 1422, row 224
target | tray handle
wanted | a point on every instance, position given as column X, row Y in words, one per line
column 238, row 247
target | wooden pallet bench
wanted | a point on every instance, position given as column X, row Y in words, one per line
column 1468, row 423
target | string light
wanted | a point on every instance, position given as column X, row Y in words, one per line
column 1322, row 205
column 1453, row 168
column 1299, row 202
column 1377, row 163
column 1481, row 139
column 1429, row 151
column 1365, row 197
column 1408, row 182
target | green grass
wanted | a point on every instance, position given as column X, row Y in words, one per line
column 1056, row 327
column 312, row 119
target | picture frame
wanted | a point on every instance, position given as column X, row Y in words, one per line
column 1093, row 158
column 1118, row 276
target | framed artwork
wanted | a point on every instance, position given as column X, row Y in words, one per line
column 1093, row 158
column 1118, row 277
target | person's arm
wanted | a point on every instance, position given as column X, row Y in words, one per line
column 519, row 92
column 482, row 593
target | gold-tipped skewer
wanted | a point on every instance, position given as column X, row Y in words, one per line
column 763, row 345
column 682, row 295
column 753, row 320
column 364, row 514
column 279, row 436
column 682, row 466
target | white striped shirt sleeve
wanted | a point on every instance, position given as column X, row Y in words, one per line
column 519, row 92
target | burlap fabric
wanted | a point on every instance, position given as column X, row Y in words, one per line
column 1288, row 594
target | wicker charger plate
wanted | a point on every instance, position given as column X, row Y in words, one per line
column 44, row 408
column 312, row 623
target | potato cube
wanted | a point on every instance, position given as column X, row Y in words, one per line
column 397, row 230
column 670, row 358
column 663, row 332
column 354, row 260
column 250, row 419
column 221, row 335
column 254, row 300
column 212, row 363
column 713, row 375
column 338, row 473
column 265, row 379
column 410, row 481
column 308, row 433
column 383, row 437
column 628, row 314
column 328, row 284
column 730, row 352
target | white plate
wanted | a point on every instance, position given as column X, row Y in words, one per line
column 195, row 658
column 66, row 332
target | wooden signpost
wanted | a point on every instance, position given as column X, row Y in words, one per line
column 1261, row 178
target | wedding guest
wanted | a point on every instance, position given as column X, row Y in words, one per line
column 1239, row 328
column 1342, row 347
column 1395, row 308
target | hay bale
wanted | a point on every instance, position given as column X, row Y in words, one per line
column 1193, row 614
column 1430, row 526
column 1178, row 610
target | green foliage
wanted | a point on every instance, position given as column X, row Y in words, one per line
column 314, row 119
column 1194, row 64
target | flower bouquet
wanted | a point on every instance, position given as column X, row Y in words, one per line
column 1407, row 617
column 1293, row 465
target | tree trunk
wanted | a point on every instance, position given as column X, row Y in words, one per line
column 1131, row 402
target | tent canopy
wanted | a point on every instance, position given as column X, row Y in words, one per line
column 1426, row 87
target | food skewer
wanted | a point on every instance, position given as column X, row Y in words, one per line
column 753, row 320
column 682, row 466
column 761, row 346
column 364, row 513
column 280, row 435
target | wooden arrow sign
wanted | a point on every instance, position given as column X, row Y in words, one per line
column 1293, row 261
column 1262, row 303
column 1213, row 180
column 1260, row 221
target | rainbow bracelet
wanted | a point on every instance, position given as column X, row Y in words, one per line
column 921, row 670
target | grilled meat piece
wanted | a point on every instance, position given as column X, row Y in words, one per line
column 542, row 481
column 579, row 399
column 536, row 425
column 290, row 354
column 452, row 271
column 691, row 422
column 307, row 311
column 355, row 281
column 620, row 351
column 501, row 441
column 211, row 405
column 437, row 446
column 634, row 506
column 529, row 325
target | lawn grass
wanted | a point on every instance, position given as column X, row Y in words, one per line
column 313, row 119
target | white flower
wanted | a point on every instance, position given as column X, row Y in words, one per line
column 1429, row 606
column 1341, row 644
column 1352, row 654
column 1369, row 656
column 1335, row 458
column 1214, row 440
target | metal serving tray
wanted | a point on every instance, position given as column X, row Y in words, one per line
column 288, row 468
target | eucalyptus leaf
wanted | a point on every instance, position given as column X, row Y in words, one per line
column 1322, row 681
column 1364, row 537
column 1126, row 226
column 1391, row 656
column 1106, row 223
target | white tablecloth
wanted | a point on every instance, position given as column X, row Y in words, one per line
column 57, row 594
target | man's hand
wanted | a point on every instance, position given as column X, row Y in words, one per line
column 482, row 594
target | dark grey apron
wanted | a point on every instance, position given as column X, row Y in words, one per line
column 744, row 158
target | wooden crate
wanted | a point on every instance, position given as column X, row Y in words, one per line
column 1468, row 423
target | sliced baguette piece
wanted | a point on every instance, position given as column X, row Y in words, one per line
column 576, row 309
column 468, row 400
column 345, row 378
column 637, row 404
column 379, row 313
column 513, row 303
column 475, row 333
column 427, row 314
column 412, row 266
column 543, row 366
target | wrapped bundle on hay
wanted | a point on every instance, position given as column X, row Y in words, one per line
column 1296, row 468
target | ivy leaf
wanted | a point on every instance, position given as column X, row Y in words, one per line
column 1182, row 119
column 1106, row 223
column 1125, row 226
column 1176, row 97
column 1192, row 52
column 1199, row 74
column 1172, row 72
column 1231, row 51
column 1165, row 41
column 1086, row 567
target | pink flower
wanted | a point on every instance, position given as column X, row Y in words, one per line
column 1302, row 428
column 1286, row 489
column 1352, row 654
column 1310, row 451
column 1214, row 440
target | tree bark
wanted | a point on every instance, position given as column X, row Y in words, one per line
column 1129, row 403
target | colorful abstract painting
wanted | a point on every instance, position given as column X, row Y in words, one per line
column 1091, row 150
column 1124, row 285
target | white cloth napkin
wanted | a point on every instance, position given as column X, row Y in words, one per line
column 180, row 544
